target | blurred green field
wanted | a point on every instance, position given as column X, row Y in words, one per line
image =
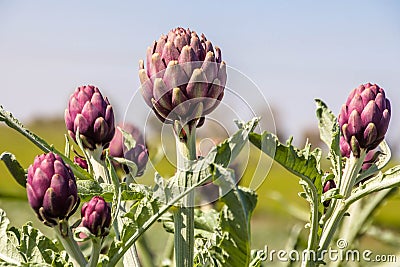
column 271, row 222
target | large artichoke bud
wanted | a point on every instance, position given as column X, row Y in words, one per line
column 92, row 113
column 96, row 216
column 137, row 154
column 364, row 119
column 184, row 78
column 51, row 189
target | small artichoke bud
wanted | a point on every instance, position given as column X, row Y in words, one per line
column 92, row 113
column 81, row 162
column 96, row 216
column 182, row 70
column 51, row 189
column 138, row 154
column 364, row 118
column 330, row 184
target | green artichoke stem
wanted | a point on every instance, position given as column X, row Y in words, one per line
column 346, row 184
column 96, row 247
column 100, row 172
column 65, row 235
column 184, row 215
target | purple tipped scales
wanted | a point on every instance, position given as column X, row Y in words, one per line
column 92, row 113
column 364, row 119
column 184, row 78
column 96, row 216
column 51, row 188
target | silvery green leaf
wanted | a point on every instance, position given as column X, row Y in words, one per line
column 129, row 141
column 388, row 179
column 330, row 134
column 9, row 252
column 130, row 164
column 232, row 239
column 302, row 163
column 14, row 167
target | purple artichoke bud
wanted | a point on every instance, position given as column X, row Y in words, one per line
column 138, row 154
column 370, row 159
column 328, row 186
column 96, row 216
column 51, row 189
column 364, row 119
column 81, row 162
column 92, row 113
column 184, row 78
column 117, row 147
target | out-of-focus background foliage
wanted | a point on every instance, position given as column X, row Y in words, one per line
column 294, row 51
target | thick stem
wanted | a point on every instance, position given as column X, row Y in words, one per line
column 313, row 236
column 67, row 240
column 350, row 173
column 94, row 257
column 101, row 174
column 184, row 215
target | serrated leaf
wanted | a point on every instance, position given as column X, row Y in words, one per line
column 327, row 122
column 224, row 153
column 299, row 162
column 388, row 179
column 14, row 167
column 232, row 243
column 88, row 189
column 27, row 246
column 330, row 134
column 9, row 252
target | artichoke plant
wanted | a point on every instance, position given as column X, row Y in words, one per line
column 137, row 154
column 184, row 78
column 96, row 216
column 364, row 118
column 93, row 115
column 51, row 189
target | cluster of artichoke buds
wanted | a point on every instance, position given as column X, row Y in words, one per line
column 137, row 154
column 364, row 118
column 93, row 115
column 185, row 77
column 51, row 188
column 96, row 216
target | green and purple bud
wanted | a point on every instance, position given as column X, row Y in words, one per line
column 81, row 162
column 184, row 78
column 137, row 154
column 96, row 216
column 330, row 184
column 51, row 189
column 364, row 118
column 93, row 115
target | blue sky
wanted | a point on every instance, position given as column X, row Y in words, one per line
column 294, row 51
